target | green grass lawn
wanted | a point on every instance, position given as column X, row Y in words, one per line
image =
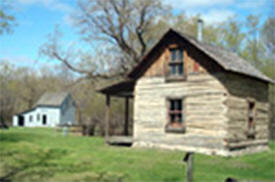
column 45, row 155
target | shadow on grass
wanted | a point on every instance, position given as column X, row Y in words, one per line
column 14, row 137
column 42, row 165
column 172, row 179
column 39, row 164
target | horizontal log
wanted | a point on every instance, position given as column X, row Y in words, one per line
column 185, row 84
column 204, row 113
column 191, row 78
column 199, row 99
column 264, row 110
column 150, row 124
column 178, row 92
column 206, row 125
column 209, row 132
column 236, row 135
column 231, row 145
column 262, row 106
column 205, row 118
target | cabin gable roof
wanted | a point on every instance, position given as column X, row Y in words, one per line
column 228, row 60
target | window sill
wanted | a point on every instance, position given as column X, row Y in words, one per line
column 175, row 78
column 170, row 129
column 250, row 134
column 177, row 61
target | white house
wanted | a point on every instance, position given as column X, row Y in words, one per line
column 51, row 110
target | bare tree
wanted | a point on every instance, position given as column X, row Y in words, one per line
column 6, row 19
column 122, row 25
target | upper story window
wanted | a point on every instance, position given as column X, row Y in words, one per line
column 175, row 116
column 176, row 63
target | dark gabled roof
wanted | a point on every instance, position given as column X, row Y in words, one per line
column 48, row 99
column 226, row 59
column 122, row 88
column 52, row 99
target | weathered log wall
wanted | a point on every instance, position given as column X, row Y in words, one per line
column 204, row 111
column 241, row 90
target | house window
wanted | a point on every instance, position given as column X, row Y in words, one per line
column 176, row 63
column 251, row 120
column 38, row 117
column 30, row 118
column 175, row 116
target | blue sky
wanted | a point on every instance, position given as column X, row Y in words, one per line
column 38, row 18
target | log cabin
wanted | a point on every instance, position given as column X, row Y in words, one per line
column 193, row 96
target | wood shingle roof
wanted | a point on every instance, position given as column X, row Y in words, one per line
column 229, row 60
column 52, row 99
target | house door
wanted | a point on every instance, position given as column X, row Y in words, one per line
column 20, row 120
column 44, row 119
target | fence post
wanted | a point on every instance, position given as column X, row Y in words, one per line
column 188, row 159
column 107, row 117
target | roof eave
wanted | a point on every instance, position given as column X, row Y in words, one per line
column 123, row 88
column 134, row 73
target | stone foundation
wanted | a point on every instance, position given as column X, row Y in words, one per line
column 207, row 151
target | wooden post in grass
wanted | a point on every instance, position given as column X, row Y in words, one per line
column 107, row 117
column 126, row 117
column 188, row 159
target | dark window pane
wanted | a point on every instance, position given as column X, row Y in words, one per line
column 176, row 105
column 180, row 53
column 172, row 118
column 180, row 118
column 172, row 105
column 176, row 54
column 176, row 69
column 173, row 69
column 173, row 54
column 179, row 107
column 180, row 69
